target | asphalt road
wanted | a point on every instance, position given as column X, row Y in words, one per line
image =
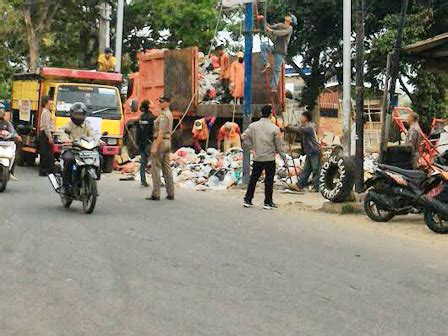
column 203, row 265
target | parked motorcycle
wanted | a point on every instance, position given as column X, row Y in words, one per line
column 84, row 175
column 394, row 191
column 7, row 157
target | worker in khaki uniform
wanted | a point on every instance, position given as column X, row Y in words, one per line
column 161, row 150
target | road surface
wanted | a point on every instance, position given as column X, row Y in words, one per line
column 203, row 265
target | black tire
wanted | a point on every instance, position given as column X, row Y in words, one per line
column 435, row 222
column 4, row 178
column 89, row 194
column 337, row 178
column 26, row 159
column 108, row 164
column 375, row 214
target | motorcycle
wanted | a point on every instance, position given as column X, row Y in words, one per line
column 7, row 157
column 394, row 191
column 84, row 173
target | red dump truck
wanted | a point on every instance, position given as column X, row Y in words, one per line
column 176, row 72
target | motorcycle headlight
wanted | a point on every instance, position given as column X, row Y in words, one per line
column 112, row 141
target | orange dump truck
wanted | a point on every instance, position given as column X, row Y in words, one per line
column 176, row 73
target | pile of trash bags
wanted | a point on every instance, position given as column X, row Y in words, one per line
column 210, row 90
column 214, row 170
column 207, row 170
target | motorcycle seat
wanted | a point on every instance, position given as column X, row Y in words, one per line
column 415, row 175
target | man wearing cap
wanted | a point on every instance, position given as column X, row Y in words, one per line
column 237, row 78
column 106, row 62
column 161, row 150
column 230, row 133
column 201, row 132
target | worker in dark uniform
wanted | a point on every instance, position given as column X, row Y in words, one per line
column 145, row 134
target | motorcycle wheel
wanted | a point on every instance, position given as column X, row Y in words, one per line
column 375, row 214
column 89, row 193
column 4, row 176
column 436, row 222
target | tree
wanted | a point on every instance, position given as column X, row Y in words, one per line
column 317, row 39
column 169, row 24
column 37, row 16
column 424, row 21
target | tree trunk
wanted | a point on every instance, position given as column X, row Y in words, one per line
column 34, row 47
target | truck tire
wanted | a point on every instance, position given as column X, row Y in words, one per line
column 108, row 164
column 26, row 159
column 337, row 178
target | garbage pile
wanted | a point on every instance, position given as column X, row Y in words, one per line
column 213, row 170
column 210, row 90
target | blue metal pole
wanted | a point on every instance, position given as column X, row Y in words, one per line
column 247, row 119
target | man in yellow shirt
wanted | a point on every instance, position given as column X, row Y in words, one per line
column 107, row 61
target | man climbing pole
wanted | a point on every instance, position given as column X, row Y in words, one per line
column 281, row 33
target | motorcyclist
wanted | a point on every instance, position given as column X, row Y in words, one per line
column 5, row 125
column 75, row 129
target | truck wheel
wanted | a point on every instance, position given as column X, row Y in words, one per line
column 337, row 178
column 26, row 159
column 108, row 164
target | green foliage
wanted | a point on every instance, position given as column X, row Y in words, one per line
column 71, row 40
column 429, row 98
column 169, row 24
column 423, row 21
column 318, row 40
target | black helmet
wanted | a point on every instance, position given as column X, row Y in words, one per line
column 78, row 113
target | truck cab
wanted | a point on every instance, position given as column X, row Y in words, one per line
column 99, row 91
